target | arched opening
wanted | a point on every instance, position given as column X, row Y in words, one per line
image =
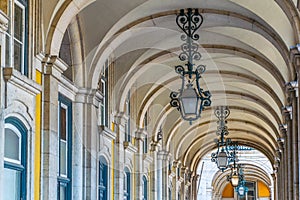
column 257, row 171
column 15, row 159
column 127, row 184
column 145, row 188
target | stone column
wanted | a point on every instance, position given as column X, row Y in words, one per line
column 154, row 171
column 293, row 88
column 163, row 172
column 194, row 191
column 295, row 58
column 49, row 151
column 281, row 161
column 183, row 175
column 3, row 28
column 139, row 168
column 175, row 180
column 85, row 132
column 287, row 114
column 274, row 188
column 120, row 120
column 77, row 164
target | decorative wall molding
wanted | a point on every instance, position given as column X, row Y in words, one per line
column 22, row 82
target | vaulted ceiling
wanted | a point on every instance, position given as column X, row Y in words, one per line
column 244, row 44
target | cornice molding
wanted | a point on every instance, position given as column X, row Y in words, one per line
column 16, row 78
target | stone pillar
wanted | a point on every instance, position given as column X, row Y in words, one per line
column 293, row 88
column 176, row 180
column 139, row 168
column 77, row 164
column 274, row 188
column 281, row 161
column 187, row 185
column 49, row 151
column 3, row 28
column 90, row 144
column 288, row 162
column 120, row 120
column 85, row 132
column 183, row 175
column 154, row 171
column 163, row 172
column 194, row 191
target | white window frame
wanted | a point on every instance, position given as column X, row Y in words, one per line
column 62, row 105
column 11, row 35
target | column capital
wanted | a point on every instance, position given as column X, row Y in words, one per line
column 280, row 142
column 283, row 128
column 154, row 146
column 121, row 118
column 295, row 56
column 52, row 65
column 176, row 163
column 163, row 155
column 140, row 134
column 292, row 87
column 88, row 96
column 287, row 111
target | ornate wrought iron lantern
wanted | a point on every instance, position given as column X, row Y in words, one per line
column 191, row 99
column 222, row 157
column 234, row 176
column 241, row 189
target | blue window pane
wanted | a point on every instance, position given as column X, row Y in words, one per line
column 103, row 180
column 12, row 186
column 145, row 188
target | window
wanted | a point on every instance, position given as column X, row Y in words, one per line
column 15, row 148
column 251, row 194
column 126, row 184
column 145, row 143
column 65, row 148
column 103, row 180
column 103, row 88
column 145, row 188
column 17, row 36
column 127, row 125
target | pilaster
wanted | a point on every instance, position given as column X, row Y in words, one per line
column 154, row 147
column 293, row 87
column 85, row 137
column 163, row 163
column 195, row 178
column 3, row 28
column 176, row 180
column 50, row 129
column 287, row 113
column 139, row 168
column 119, row 158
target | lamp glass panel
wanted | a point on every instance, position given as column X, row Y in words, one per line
column 241, row 191
column 189, row 101
column 222, row 159
column 235, row 180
